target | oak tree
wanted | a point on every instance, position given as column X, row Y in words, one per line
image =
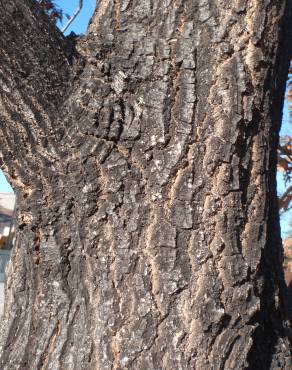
column 144, row 157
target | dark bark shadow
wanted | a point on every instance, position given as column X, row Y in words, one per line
column 273, row 334
column 289, row 300
column 273, row 323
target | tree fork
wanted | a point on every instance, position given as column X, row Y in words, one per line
column 148, row 230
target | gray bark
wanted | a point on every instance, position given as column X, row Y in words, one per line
column 144, row 164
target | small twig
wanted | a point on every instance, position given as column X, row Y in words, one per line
column 77, row 11
column 285, row 199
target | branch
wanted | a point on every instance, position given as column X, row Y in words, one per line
column 35, row 73
column 285, row 199
column 77, row 11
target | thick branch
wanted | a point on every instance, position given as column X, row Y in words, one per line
column 35, row 73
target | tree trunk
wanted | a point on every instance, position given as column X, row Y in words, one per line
column 144, row 165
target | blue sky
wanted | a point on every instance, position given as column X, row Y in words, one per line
column 286, row 218
column 4, row 186
column 79, row 26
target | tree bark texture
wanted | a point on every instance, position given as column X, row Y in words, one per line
column 143, row 156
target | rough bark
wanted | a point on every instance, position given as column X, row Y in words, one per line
column 144, row 165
